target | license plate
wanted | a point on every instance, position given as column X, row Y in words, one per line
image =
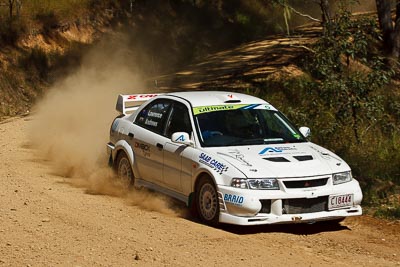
column 340, row 201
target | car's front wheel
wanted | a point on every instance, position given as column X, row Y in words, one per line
column 207, row 201
column 125, row 177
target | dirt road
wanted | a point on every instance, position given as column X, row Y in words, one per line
column 50, row 220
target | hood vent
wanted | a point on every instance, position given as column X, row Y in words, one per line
column 277, row 159
column 303, row 158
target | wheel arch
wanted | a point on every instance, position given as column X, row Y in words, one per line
column 198, row 177
column 123, row 147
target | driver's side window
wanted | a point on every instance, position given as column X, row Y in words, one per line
column 179, row 120
column 154, row 116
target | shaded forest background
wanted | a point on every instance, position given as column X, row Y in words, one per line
column 345, row 88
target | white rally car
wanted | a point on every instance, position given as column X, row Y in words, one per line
column 232, row 157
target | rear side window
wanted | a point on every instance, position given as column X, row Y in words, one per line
column 154, row 115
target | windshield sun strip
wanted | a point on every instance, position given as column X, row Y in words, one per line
column 214, row 108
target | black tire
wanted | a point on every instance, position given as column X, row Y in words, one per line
column 335, row 221
column 207, row 204
column 123, row 169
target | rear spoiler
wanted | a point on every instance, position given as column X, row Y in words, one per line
column 128, row 103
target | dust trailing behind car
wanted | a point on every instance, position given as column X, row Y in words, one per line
column 70, row 124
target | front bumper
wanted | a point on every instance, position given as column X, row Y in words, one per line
column 110, row 150
column 252, row 207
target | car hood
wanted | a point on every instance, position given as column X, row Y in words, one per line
column 282, row 160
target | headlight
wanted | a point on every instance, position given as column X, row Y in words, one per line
column 239, row 183
column 342, row 177
column 266, row 183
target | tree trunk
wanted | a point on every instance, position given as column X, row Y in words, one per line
column 18, row 6
column 385, row 23
column 326, row 11
column 10, row 7
column 396, row 34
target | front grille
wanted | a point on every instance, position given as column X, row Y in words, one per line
column 265, row 205
column 306, row 183
column 304, row 205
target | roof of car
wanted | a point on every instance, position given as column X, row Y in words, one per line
column 210, row 98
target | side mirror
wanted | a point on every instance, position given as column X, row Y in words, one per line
column 305, row 131
column 181, row 138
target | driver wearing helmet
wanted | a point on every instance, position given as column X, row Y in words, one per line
column 241, row 124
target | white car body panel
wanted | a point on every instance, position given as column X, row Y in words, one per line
column 171, row 166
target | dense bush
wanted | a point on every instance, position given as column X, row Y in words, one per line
column 11, row 30
column 35, row 62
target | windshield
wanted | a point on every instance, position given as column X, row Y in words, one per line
column 245, row 127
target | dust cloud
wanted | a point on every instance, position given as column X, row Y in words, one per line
column 70, row 126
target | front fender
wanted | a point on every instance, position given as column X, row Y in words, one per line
column 220, row 170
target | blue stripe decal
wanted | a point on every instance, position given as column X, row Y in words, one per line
column 251, row 106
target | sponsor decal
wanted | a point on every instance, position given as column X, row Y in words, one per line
column 141, row 97
column 327, row 155
column 180, row 138
column 234, row 199
column 209, row 161
column 151, row 122
column 154, row 114
column 297, row 136
column 145, row 148
column 142, row 146
column 269, row 149
column 114, row 125
column 275, row 150
column 236, row 154
column 206, row 109
column 254, row 106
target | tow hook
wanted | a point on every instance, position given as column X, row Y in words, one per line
column 296, row 219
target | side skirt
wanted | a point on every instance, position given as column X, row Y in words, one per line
column 163, row 190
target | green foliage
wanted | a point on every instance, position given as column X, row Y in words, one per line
column 388, row 212
column 346, row 97
column 350, row 71
column 352, row 117
column 389, row 208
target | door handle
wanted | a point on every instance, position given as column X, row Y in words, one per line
column 160, row 146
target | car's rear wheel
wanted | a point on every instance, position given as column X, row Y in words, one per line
column 125, row 177
column 207, row 201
